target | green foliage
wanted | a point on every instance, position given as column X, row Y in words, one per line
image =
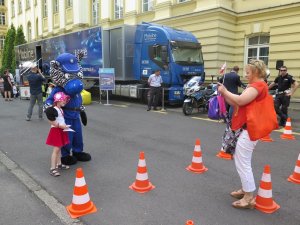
column 8, row 59
column 20, row 37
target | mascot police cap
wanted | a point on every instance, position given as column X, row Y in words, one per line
column 68, row 63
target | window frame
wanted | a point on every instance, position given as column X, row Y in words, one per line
column 118, row 9
column 13, row 13
column 55, row 6
column 69, row 3
column 2, row 18
column 95, row 12
column 2, row 40
column 258, row 47
column 27, row 4
column 29, row 32
column 45, row 9
column 149, row 4
column 20, row 10
column 2, row 2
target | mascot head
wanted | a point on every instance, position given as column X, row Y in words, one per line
column 66, row 72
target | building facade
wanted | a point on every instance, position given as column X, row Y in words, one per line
column 231, row 31
column 3, row 25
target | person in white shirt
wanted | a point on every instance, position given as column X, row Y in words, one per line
column 154, row 82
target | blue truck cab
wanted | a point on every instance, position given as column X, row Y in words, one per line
column 176, row 53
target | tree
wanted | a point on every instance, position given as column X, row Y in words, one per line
column 8, row 58
column 19, row 39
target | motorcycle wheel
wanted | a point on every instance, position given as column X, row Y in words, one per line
column 187, row 108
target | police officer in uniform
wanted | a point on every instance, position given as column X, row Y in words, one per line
column 286, row 88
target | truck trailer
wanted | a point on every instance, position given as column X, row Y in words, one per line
column 134, row 51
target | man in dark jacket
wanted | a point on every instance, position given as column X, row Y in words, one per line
column 232, row 81
column 35, row 79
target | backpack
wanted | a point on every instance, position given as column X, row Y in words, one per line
column 216, row 108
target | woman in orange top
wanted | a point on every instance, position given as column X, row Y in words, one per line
column 256, row 89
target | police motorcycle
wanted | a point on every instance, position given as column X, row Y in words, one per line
column 196, row 95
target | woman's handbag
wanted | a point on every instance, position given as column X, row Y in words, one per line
column 261, row 118
column 230, row 137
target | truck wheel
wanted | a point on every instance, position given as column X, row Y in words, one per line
column 187, row 108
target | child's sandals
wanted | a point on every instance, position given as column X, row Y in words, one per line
column 62, row 167
column 54, row 172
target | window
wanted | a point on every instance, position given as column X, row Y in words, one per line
column 45, row 9
column 69, row 3
column 258, row 48
column 20, row 6
column 27, row 4
column 2, row 18
column 2, row 39
column 12, row 8
column 147, row 5
column 159, row 55
column 29, row 32
column 55, row 6
column 95, row 12
column 118, row 9
column 180, row 1
column 2, row 2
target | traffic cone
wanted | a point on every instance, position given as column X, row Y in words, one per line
column 223, row 155
column 267, row 138
column 197, row 165
column 81, row 203
column 295, row 177
column 287, row 133
column 264, row 201
column 142, row 183
column 189, row 222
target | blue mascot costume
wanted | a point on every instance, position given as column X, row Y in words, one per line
column 66, row 74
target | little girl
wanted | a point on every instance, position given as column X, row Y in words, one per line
column 57, row 137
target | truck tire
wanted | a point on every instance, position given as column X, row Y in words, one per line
column 187, row 108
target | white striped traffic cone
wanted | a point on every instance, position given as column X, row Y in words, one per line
column 142, row 183
column 288, row 133
column 197, row 165
column 81, row 202
column 295, row 177
column 264, row 200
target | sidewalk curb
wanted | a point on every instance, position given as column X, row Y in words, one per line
column 53, row 204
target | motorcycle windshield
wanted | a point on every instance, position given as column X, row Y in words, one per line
column 193, row 81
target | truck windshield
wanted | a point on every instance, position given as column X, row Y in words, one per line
column 187, row 56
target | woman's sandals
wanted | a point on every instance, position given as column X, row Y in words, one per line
column 238, row 194
column 62, row 167
column 244, row 204
column 54, row 172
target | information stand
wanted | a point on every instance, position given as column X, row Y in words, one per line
column 106, row 81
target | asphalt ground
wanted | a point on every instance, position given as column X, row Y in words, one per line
column 114, row 136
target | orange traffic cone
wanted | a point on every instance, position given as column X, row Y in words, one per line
column 197, row 165
column 267, row 138
column 81, row 203
column 287, row 133
column 223, row 155
column 295, row 177
column 189, row 222
column 264, row 201
column 142, row 183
